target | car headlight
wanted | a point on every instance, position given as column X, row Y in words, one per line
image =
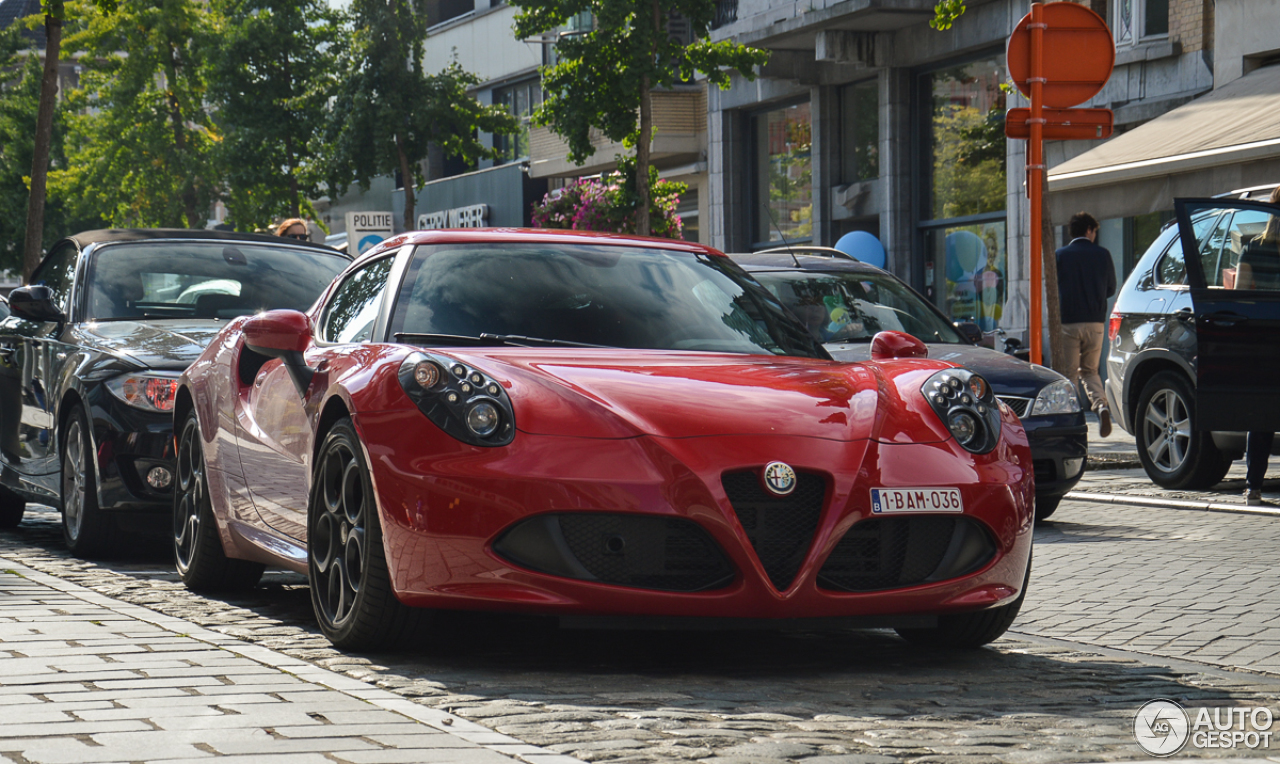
column 462, row 401
column 967, row 406
column 1056, row 398
column 149, row 391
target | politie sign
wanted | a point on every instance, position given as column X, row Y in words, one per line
column 366, row 229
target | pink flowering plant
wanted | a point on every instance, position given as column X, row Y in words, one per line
column 608, row 203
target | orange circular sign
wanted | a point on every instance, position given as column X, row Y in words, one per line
column 1077, row 59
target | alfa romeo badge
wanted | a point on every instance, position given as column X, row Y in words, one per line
column 779, row 478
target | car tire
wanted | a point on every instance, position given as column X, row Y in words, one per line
column 970, row 630
column 350, row 584
column 87, row 530
column 1046, row 506
column 1173, row 453
column 197, row 549
column 12, row 507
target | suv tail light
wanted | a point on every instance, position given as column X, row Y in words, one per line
column 1113, row 327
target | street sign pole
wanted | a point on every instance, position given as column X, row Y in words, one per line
column 1035, row 166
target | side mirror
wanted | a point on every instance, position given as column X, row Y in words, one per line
column 282, row 334
column 887, row 345
column 35, row 303
column 971, row 331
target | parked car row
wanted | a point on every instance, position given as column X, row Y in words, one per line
column 597, row 428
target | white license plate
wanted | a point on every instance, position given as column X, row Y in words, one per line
column 886, row 500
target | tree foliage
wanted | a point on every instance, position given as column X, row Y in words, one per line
column 140, row 146
column 388, row 112
column 19, row 102
column 945, row 14
column 270, row 73
column 605, row 75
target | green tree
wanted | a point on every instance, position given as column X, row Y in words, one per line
column 387, row 111
column 270, row 74
column 55, row 12
column 605, row 76
column 140, row 148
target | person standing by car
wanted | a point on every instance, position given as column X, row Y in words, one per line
column 1259, row 268
column 1086, row 278
column 294, row 228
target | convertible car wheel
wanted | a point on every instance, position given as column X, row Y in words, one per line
column 350, row 587
column 86, row 529
column 970, row 629
column 197, row 549
column 1173, row 453
column 12, row 507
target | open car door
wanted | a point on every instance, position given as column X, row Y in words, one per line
column 1233, row 269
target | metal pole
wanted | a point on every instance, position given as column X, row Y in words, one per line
column 1035, row 170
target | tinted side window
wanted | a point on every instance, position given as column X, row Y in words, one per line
column 57, row 272
column 1171, row 270
column 353, row 309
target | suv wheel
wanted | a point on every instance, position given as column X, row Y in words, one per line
column 1173, row 453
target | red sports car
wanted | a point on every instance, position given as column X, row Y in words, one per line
column 594, row 427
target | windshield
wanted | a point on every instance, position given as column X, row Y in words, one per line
column 616, row 296
column 205, row 279
column 852, row 307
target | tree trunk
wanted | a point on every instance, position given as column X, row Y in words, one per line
column 1049, row 270
column 180, row 137
column 643, row 224
column 410, row 201
column 33, row 247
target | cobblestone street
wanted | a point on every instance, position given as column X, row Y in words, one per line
column 1126, row 604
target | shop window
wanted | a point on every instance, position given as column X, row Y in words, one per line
column 860, row 132
column 440, row 11
column 783, row 175
column 966, row 272
column 1136, row 20
column 966, row 136
column 520, row 100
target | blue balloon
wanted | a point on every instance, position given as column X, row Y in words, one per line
column 863, row 246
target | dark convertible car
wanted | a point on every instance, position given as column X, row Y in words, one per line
column 90, row 358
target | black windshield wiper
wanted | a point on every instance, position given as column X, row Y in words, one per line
column 490, row 339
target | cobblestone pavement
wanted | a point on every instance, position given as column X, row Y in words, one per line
column 1127, row 604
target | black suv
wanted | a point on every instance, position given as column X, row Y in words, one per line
column 1195, row 350
column 845, row 302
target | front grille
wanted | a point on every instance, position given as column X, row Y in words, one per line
column 892, row 552
column 641, row 551
column 1020, row 406
column 780, row 528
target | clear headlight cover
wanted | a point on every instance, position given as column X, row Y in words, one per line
column 1056, row 398
column 149, row 391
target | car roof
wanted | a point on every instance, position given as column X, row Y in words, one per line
column 784, row 261
column 112, row 235
column 542, row 235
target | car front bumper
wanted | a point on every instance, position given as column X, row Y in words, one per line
column 1059, row 449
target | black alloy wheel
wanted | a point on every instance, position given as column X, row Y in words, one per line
column 1174, row 454
column 12, row 507
column 350, row 584
column 85, row 527
column 1046, row 506
column 197, row 549
column 970, row 630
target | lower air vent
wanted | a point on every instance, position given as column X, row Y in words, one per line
column 641, row 551
column 892, row 552
column 780, row 528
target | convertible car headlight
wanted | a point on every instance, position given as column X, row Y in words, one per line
column 460, row 400
column 1056, row 398
column 967, row 406
column 150, row 391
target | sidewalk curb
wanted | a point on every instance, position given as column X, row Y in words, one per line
column 1182, row 504
column 442, row 721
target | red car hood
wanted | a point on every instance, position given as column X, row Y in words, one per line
column 626, row 393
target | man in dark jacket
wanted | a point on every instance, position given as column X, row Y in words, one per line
column 1086, row 278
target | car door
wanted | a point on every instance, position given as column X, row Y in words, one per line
column 274, row 424
column 29, row 361
column 1234, row 279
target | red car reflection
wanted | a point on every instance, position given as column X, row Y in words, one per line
column 594, row 427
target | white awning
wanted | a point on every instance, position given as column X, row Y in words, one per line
column 1226, row 139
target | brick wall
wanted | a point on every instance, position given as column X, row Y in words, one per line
column 1191, row 23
